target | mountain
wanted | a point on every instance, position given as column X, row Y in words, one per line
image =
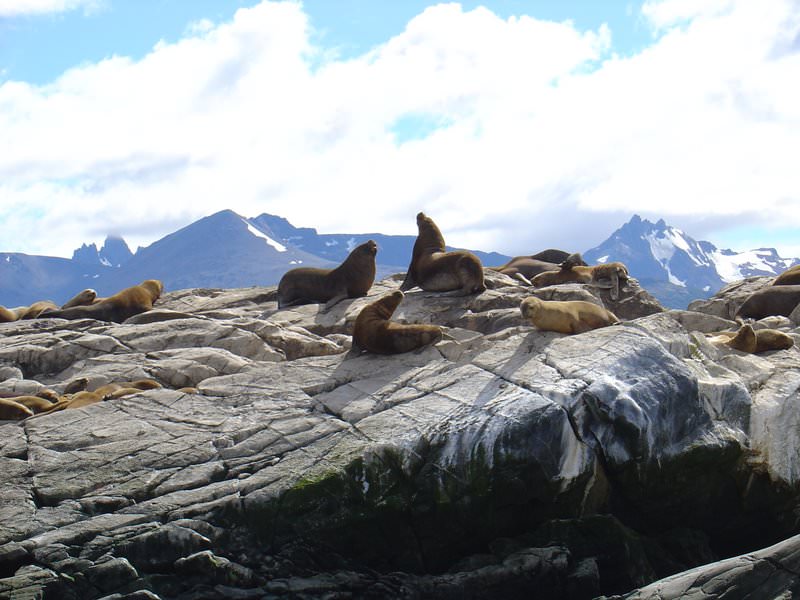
column 25, row 278
column 223, row 250
column 676, row 268
column 114, row 253
column 394, row 251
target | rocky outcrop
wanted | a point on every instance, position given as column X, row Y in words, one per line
column 501, row 462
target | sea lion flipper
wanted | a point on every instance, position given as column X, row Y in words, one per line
column 614, row 285
column 522, row 278
column 408, row 282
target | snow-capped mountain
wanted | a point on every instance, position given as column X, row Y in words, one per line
column 676, row 268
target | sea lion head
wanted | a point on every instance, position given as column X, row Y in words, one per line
column 389, row 303
column 154, row 286
column 573, row 260
column 530, row 306
column 744, row 340
column 370, row 248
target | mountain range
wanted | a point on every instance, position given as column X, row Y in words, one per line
column 227, row 250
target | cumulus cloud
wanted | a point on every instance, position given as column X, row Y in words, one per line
column 527, row 133
column 14, row 8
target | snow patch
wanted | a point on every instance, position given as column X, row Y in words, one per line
column 295, row 262
column 707, row 288
column 332, row 243
column 663, row 249
column 351, row 243
column 105, row 262
column 730, row 266
column 279, row 247
column 8, row 259
column 602, row 259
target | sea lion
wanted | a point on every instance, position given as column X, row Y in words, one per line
column 35, row 309
column 83, row 298
column 574, row 270
column 7, row 315
column 122, row 305
column 790, row 276
column 36, row 404
column 374, row 332
column 352, row 279
column 435, row 270
column 769, row 301
column 76, row 385
column 13, row 411
column 525, row 268
column 746, row 339
column 569, row 316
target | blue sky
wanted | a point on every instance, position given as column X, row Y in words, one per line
column 516, row 124
column 37, row 48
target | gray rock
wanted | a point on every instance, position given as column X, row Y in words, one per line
column 482, row 465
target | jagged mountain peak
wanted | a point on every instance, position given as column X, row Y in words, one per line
column 678, row 268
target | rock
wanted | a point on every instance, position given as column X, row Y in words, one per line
column 501, row 462
column 726, row 302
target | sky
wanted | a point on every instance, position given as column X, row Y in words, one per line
column 517, row 125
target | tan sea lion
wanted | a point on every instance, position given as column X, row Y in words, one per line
column 790, row 276
column 13, row 411
column 746, row 339
column 769, row 301
column 374, row 332
column 122, row 305
column 7, row 315
column 435, row 270
column 36, row 404
column 352, row 279
column 569, row 316
column 83, row 298
column 35, row 309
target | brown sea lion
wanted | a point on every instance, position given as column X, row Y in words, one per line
column 83, row 298
column 746, row 339
column 122, row 305
column 374, row 332
column 352, row 279
column 435, row 270
column 525, row 268
column 574, row 270
column 769, row 301
column 790, row 276
column 13, row 411
column 570, row 316
column 76, row 385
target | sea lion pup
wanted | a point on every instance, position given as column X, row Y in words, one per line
column 374, row 332
column 435, row 270
column 122, row 305
column 769, row 301
column 83, row 298
column 746, row 339
column 352, row 279
column 569, row 316
column 13, row 411
column 790, row 276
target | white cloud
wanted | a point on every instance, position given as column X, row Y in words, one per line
column 548, row 138
column 14, row 8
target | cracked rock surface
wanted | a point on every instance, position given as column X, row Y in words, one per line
column 502, row 462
